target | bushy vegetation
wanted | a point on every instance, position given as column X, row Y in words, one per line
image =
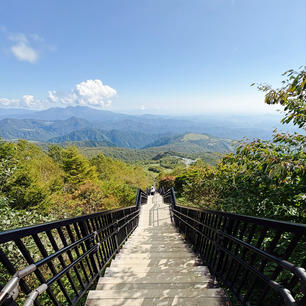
column 61, row 182
column 261, row 178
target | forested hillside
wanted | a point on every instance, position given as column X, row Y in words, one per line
column 36, row 186
column 110, row 138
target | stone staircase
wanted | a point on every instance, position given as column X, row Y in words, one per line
column 156, row 267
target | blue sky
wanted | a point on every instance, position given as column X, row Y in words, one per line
column 162, row 56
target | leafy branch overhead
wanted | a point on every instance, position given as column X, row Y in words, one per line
column 292, row 96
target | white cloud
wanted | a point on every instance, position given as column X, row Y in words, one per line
column 22, row 48
column 93, row 92
column 9, row 102
column 26, row 47
column 142, row 107
column 52, row 96
column 28, row 101
column 24, row 52
column 88, row 93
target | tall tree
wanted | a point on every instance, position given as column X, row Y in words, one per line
column 77, row 168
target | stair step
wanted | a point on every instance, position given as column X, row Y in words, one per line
column 156, row 269
column 157, row 229
column 157, row 236
column 155, row 293
column 168, row 232
column 131, row 286
column 156, row 249
column 172, row 276
column 155, row 243
column 162, row 227
column 152, row 278
column 154, row 232
column 176, row 301
column 156, row 262
column 151, row 255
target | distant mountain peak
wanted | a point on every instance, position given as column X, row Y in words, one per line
column 59, row 113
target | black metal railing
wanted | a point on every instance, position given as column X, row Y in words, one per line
column 261, row 261
column 56, row 263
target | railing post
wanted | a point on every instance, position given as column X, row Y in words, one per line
column 221, row 241
column 172, row 206
column 138, row 199
column 115, row 228
column 89, row 243
column 173, row 198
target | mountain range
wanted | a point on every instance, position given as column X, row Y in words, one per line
column 92, row 127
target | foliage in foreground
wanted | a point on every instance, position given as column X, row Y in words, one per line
column 62, row 182
column 262, row 178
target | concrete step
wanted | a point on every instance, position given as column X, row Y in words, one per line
column 158, row 261
column 166, row 235
column 174, row 235
column 147, row 226
column 155, row 248
column 158, row 275
column 157, row 236
column 179, row 262
column 131, row 286
column 144, row 242
column 209, row 301
column 153, row 278
column 144, row 229
column 148, row 249
column 158, row 269
column 155, row 231
column 155, row 293
column 151, row 255
column 156, row 240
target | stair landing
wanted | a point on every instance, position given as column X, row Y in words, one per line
column 156, row 267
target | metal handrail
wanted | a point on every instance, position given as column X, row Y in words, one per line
column 214, row 235
column 99, row 237
column 34, row 294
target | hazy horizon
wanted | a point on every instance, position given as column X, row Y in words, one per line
column 171, row 113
